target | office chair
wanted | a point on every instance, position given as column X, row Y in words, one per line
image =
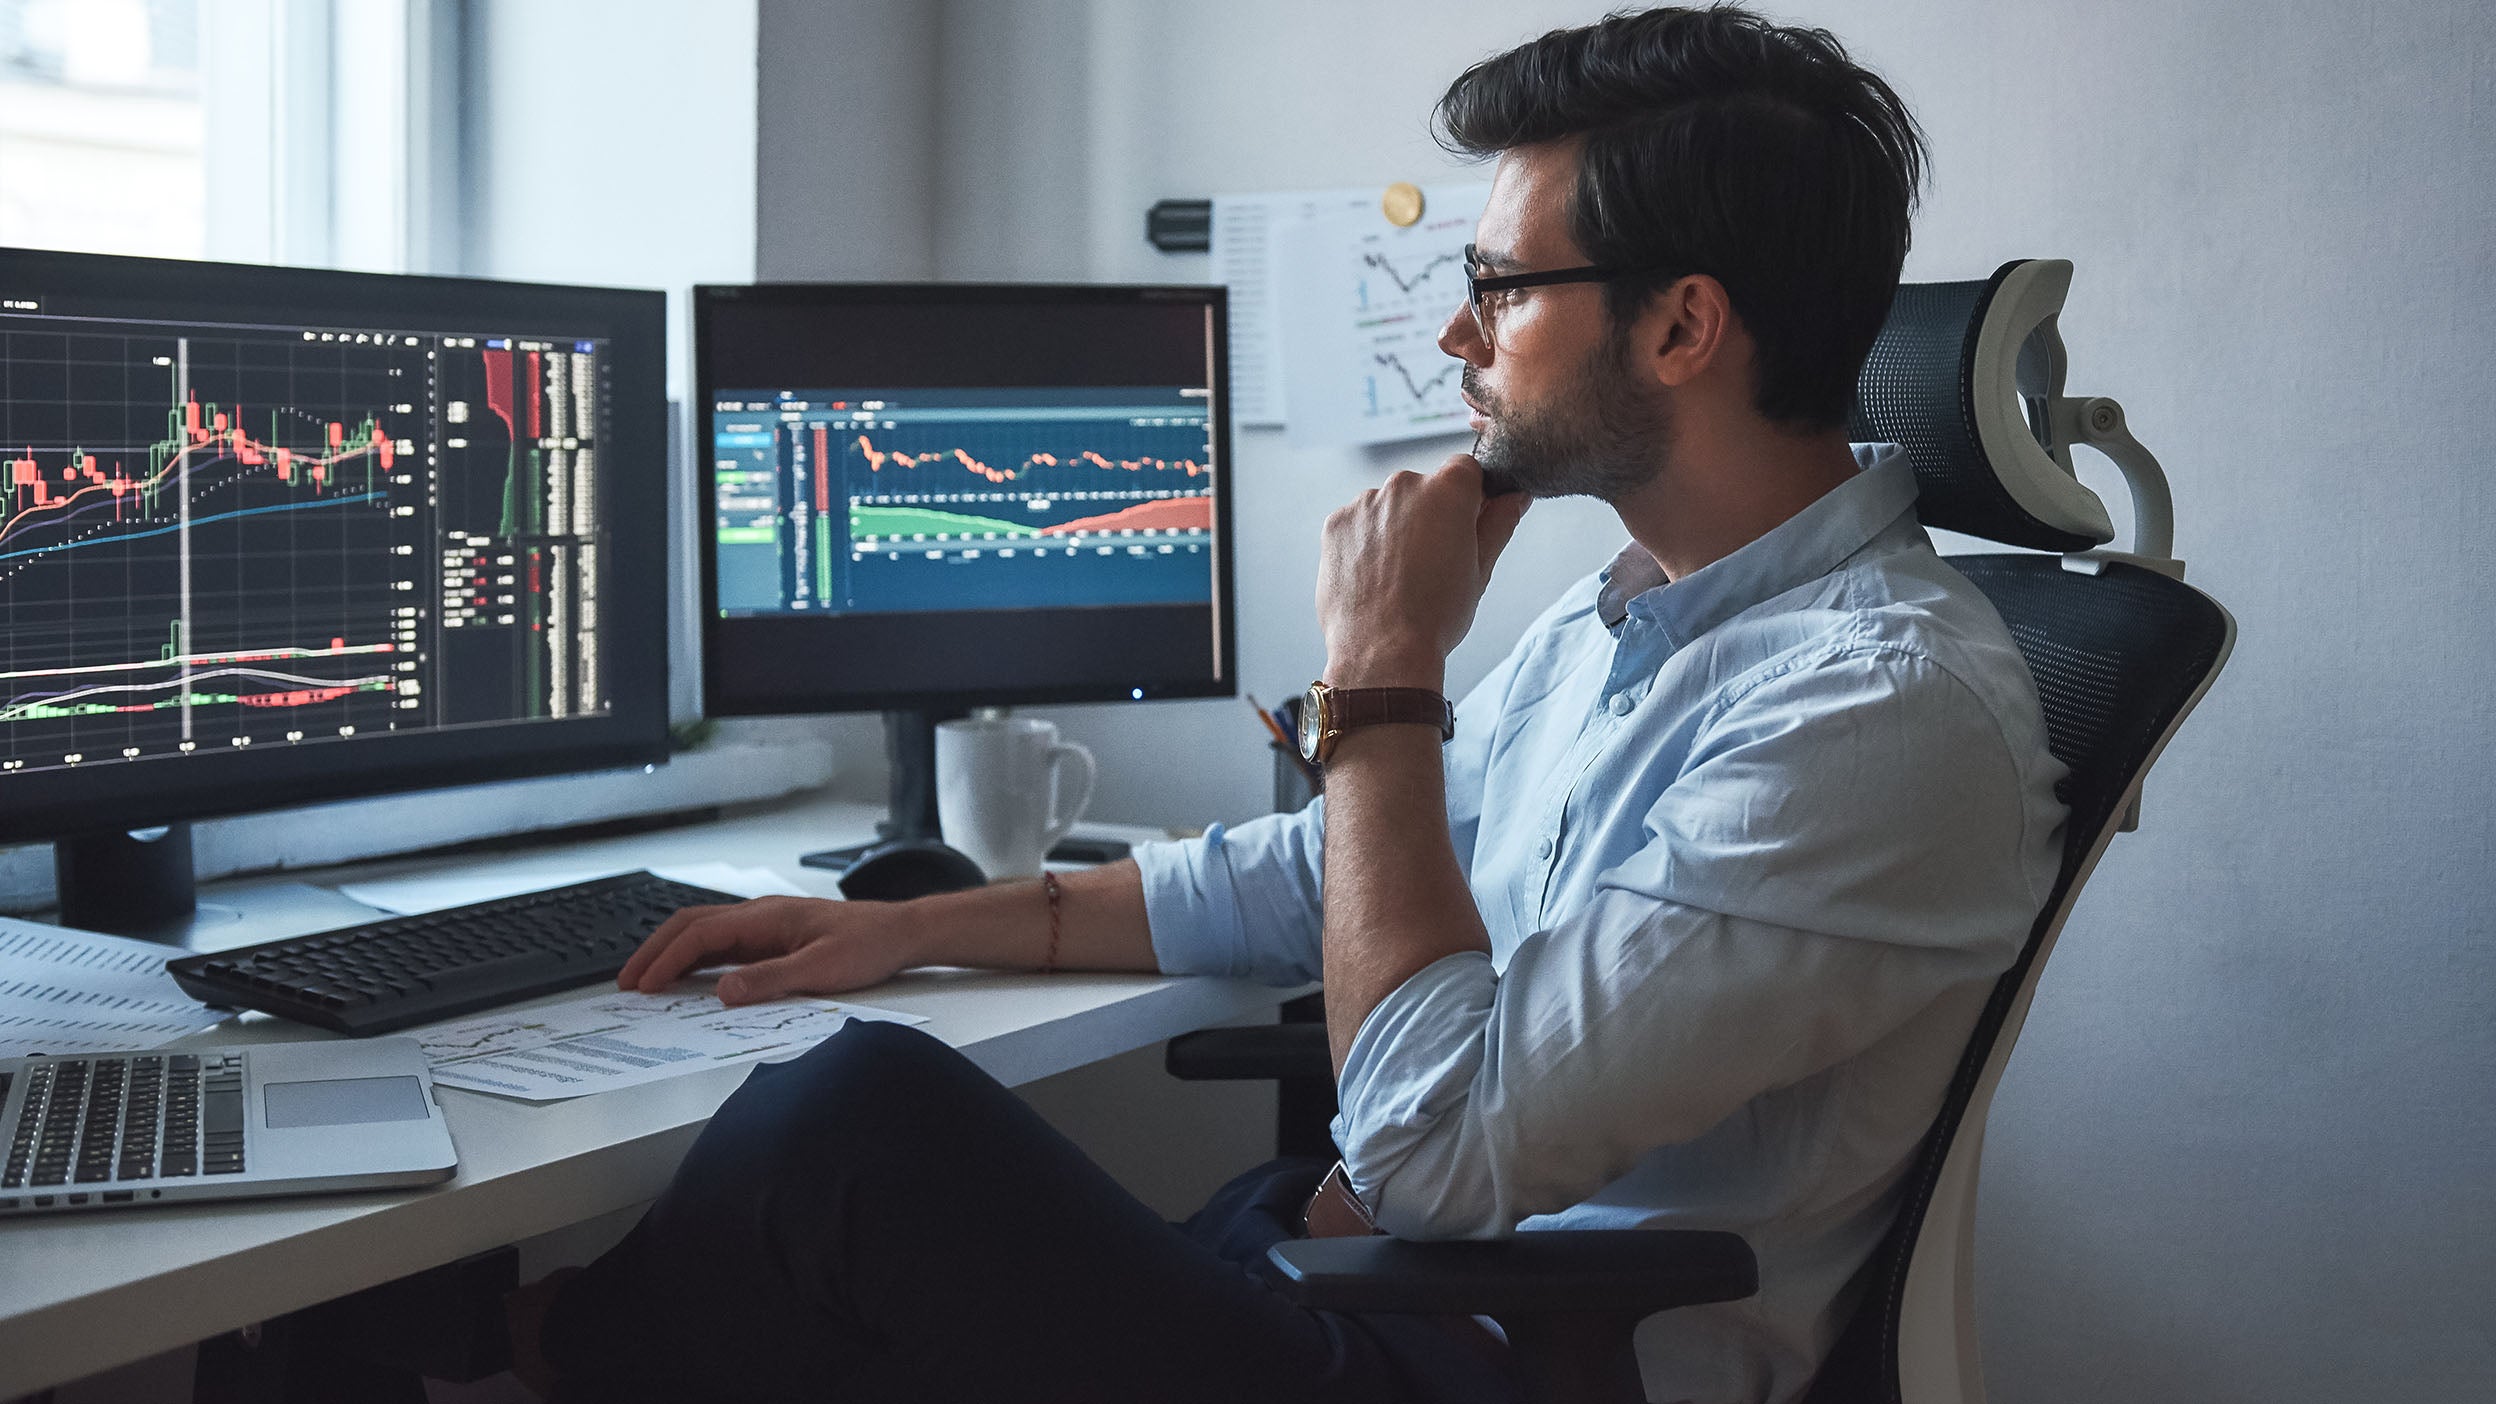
column 1968, row 377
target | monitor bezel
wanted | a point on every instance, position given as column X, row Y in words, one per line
column 112, row 796
column 708, row 297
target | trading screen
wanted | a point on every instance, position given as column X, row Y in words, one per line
column 888, row 501
column 220, row 536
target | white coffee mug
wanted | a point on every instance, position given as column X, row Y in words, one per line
column 1007, row 789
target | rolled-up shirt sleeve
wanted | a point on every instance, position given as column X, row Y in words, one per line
column 1242, row 900
column 1844, row 847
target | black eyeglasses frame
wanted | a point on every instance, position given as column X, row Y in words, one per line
column 1476, row 286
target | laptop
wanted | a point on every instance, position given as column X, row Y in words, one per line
column 103, row 1130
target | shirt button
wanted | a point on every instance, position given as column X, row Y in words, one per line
column 1543, row 850
column 1621, row 704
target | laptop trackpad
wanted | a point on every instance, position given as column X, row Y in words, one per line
column 345, row 1101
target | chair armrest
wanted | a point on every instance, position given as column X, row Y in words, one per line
column 1633, row 1272
column 1251, row 1052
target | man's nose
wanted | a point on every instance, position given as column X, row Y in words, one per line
column 1460, row 338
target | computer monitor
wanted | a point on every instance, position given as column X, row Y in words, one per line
column 271, row 536
column 924, row 499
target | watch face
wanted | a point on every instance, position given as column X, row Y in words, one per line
column 1312, row 721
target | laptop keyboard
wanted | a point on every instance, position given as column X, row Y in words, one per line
column 144, row 1117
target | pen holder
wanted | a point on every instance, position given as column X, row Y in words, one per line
column 1294, row 786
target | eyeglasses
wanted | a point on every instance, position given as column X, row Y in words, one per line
column 1479, row 289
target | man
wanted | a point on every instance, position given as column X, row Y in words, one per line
column 1684, row 927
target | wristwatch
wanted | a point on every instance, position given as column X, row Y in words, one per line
column 1326, row 713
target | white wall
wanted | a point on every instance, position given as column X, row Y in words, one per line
column 2247, row 1149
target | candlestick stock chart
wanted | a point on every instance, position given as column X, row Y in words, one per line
column 220, row 537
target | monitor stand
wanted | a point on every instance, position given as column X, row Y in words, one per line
column 139, row 883
column 910, row 811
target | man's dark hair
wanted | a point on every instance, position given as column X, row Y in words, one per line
column 1716, row 142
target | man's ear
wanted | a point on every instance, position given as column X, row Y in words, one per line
column 1689, row 328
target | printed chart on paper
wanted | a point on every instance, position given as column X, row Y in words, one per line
column 1362, row 302
column 603, row 1038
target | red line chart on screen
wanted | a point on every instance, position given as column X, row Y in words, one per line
column 963, row 499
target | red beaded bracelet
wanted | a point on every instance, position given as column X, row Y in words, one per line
column 1048, row 963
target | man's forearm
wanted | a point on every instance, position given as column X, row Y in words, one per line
column 1396, row 899
column 1101, row 924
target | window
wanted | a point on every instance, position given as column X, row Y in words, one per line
column 101, row 127
column 278, row 131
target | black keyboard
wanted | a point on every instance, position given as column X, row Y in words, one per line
column 389, row 974
column 144, row 1116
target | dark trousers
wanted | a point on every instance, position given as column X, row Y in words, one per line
column 880, row 1220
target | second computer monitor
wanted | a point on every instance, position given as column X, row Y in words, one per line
column 935, row 497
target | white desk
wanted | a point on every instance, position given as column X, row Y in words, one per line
column 85, row 1293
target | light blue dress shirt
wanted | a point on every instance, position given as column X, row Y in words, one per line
column 1751, row 848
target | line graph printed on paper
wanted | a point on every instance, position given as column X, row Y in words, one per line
column 1414, row 388
column 1404, row 285
column 1394, row 271
column 483, row 1038
column 658, row 1006
column 782, row 1024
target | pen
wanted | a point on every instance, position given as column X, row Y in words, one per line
column 1282, row 738
column 1276, row 728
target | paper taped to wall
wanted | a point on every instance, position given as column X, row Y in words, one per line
column 1243, row 261
column 1359, row 305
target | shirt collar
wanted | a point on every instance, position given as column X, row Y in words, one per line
column 1803, row 547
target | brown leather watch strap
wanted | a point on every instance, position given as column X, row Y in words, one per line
column 1335, row 1211
column 1375, row 706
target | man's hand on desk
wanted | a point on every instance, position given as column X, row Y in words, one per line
column 812, row 945
column 786, row 945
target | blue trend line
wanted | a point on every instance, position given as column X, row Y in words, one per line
column 199, row 522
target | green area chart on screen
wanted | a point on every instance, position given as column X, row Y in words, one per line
column 911, row 523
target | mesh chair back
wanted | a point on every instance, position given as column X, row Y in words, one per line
column 1923, row 387
column 2120, row 658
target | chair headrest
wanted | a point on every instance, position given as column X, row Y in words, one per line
column 1958, row 376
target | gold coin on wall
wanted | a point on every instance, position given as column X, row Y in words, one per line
column 1402, row 204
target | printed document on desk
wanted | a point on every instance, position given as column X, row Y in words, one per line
column 65, row 992
column 603, row 1038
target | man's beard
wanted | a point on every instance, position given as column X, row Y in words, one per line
column 1611, row 441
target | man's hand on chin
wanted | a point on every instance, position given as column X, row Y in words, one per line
column 1402, row 569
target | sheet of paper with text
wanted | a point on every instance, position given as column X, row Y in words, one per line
column 65, row 992
column 1360, row 303
column 1243, row 261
